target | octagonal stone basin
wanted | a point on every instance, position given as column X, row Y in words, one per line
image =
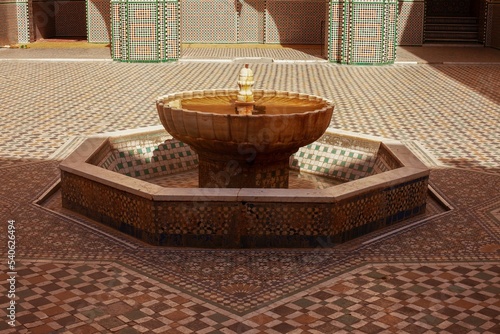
column 244, row 151
column 376, row 182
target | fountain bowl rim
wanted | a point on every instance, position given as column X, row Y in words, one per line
column 160, row 101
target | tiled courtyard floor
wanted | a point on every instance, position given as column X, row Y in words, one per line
column 436, row 274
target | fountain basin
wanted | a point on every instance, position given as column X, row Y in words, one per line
column 108, row 179
column 244, row 151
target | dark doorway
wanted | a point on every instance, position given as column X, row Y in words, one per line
column 453, row 22
column 59, row 19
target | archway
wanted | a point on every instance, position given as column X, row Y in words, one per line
column 59, row 19
column 454, row 21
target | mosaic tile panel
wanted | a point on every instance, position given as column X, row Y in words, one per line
column 218, row 24
column 390, row 32
column 198, row 224
column 373, row 33
column 155, row 157
column 337, row 29
column 132, row 214
column 98, row 21
column 295, row 22
column 251, row 21
column 339, row 221
column 411, row 23
column 171, row 28
column 334, row 161
column 162, row 31
column 151, row 159
column 145, row 31
column 23, row 29
column 118, row 31
column 368, row 31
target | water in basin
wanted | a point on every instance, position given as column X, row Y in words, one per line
column 263, row 106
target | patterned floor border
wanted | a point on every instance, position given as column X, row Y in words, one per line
column 108, row 296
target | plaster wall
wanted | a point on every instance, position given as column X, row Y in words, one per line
column 8, row 22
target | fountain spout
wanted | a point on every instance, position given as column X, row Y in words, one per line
column 245, row 101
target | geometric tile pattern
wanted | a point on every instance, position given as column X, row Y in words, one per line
column 410, row 22
column 336, row 29
column 294, row 22
column 145, row 31
column 170, row 25
column 23, row 28
column 93, row 297
column 420, row 103
column 363, row 32
column 146, row 160
column 259, row 223
column 391, row 13
column 217, row 24
column 251, row 21
column 98, row 21
column 142, row 29
column 118, row 30
column 338, row 162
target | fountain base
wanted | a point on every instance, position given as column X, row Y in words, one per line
column 259, row 171
column 375, row 183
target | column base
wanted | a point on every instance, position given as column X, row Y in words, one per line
column 266, row 171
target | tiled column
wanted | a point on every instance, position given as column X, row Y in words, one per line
column 363, row 31
column 145, row 31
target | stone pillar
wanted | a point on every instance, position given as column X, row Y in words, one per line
column 263, row 171
column 146, row 31
column 493, row 24
column 11, row 18
column 363, row 31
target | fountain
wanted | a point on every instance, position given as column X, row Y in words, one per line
column 244, row 168
column 244, row 139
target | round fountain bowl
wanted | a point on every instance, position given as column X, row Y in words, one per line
column 244, row 151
